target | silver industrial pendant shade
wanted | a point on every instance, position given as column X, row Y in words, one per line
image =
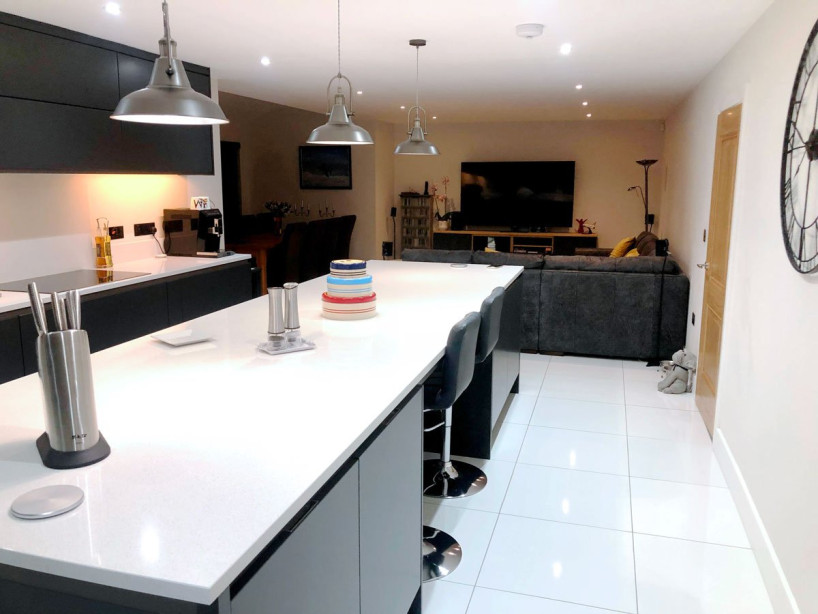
column 339, row 129
column 168, row 97
column 416, row 144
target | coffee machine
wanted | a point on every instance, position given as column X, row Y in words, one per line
column 192, row 233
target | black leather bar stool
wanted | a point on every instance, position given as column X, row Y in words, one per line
column 444, row 478
column 441, row 552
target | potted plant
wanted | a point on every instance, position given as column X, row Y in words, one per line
column 279, row 210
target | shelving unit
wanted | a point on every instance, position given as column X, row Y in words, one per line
column 556, row 243
column 416, row 220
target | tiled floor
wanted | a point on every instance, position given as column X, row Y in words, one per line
column 603, row 495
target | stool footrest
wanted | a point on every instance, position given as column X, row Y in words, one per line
column 451, row 480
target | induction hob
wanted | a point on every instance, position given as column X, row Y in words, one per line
column 72, row 280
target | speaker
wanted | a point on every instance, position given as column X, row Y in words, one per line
column 457, row 220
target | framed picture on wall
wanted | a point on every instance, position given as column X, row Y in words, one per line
column 325, row 167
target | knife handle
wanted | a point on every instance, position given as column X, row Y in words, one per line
column 37, row 309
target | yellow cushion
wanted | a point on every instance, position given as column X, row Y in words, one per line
column 622, row 247
column 634, row 253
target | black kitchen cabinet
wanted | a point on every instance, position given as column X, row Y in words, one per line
column 119, row 315
column 207, row 291
column 11, row 356
column 57, row 91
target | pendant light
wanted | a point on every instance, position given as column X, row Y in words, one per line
column 168, row 97
column 416, row 144
column 339, row 129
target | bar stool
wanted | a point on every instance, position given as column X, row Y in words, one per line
column 444, row 478
column 441, row 552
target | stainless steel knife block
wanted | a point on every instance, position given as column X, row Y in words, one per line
column 72, row 438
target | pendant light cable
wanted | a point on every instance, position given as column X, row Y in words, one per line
column 339, row 38
column 417, row 82
column 166, row 18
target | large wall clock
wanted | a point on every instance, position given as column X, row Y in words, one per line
column 799, row 168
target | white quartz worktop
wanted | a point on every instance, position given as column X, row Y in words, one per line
column 215, row 446
column 155, row 268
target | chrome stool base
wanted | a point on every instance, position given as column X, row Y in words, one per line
column 441, row 554
column 451, row 480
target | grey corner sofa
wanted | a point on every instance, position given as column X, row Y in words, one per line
column 592, row 305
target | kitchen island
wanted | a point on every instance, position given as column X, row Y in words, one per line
column 217, row 448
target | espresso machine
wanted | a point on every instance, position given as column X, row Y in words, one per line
column 192, row 233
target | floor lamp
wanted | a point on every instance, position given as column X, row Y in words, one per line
column 646, row 198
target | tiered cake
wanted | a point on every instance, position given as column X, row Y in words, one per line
column 349, row 294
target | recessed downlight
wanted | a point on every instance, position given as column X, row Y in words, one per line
column 112, row 8
column 434, row 116
column 587, row 115
column 265, row 61
column 360, row 92
column 403, row 107
column 530, row 30
column 578, row 86
column 584, row 103
column 565, row 49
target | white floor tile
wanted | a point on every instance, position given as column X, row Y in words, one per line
column 579, row 415
column 509, row 441
column 490, row 499
column 641, row 390
column 609, row 363
column 686, row 511
column 472, row 530
column 532, row 372
column 445, row 597
column 670, row 424
column 583, row 565
column 521, row 408
column 591, row 372
column 575, row 450
column 682, row 577
column 584, row 387
column 578, row 497
column 488, row 601
column 674, row 461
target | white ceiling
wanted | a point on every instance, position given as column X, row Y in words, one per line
column 635, row 58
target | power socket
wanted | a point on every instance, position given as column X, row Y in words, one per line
column 144, row 229
column 116, row 232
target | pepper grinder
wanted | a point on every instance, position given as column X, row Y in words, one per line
column 292, row 326
column 275, row 325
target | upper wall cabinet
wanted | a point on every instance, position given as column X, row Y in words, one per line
column 57, row 91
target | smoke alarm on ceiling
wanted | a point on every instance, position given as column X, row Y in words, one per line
column 530, row 30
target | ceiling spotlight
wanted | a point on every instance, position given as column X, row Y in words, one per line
column 587, row 115
column 530, row 30
column 112, row 8
column 434, row 116
column 359, row 92
column 565, row 48
column 403, row 107
column 265, row 61
column 578, row 86
column 584, row 103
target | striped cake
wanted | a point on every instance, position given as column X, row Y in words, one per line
column 349, row 294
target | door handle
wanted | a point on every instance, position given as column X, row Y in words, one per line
column 704, row 265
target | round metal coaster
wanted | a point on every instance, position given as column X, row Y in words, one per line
column 47, row 502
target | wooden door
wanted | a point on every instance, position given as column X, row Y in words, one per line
column 718, row 247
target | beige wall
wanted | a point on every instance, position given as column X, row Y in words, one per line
column 767, row 413
column 605, row 153
column 270, row 135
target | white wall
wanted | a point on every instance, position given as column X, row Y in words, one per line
column 270, row 135
column 605, row 153
column 767, row 409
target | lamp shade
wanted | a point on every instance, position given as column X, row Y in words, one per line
column 168, row 97
column 339, row 129
column 416, row 144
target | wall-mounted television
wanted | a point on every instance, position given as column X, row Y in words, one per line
column 517, row 195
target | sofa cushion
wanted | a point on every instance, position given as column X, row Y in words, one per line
column 580, row 263
column 646, row 243
column 632, row 253
column 647, row 264
column 456, row 256
column 622, row 248
column 527, row 261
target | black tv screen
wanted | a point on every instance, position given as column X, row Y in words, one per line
column 517, row 195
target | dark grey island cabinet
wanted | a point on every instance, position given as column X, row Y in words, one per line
column 115, row 316
column 58, row 89
column 353, row 548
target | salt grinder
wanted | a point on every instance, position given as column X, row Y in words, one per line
column 292, row 326
column 276, row 324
